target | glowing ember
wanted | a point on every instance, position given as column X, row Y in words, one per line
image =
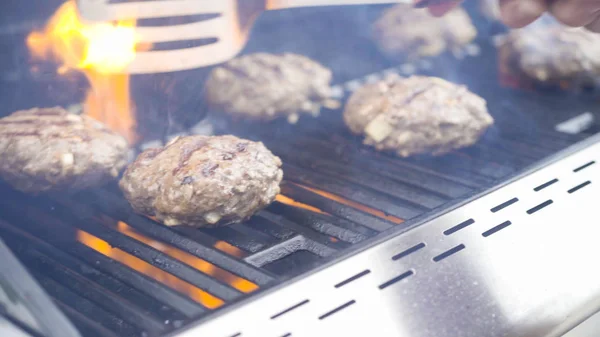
column 101, row 51
column 193, row 261
column 229, row 249
column 147, row 269
column 289, row 201
column 353, row 204
column 161, row 276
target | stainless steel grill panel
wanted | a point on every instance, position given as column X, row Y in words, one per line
column 524, row 270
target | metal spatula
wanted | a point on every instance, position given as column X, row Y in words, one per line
column 230, row 27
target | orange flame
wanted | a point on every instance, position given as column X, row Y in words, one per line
column 353, row 204
column 191, row 260
column 291, row 202
column 147, row 269
column 206, row 299
column 100, row 51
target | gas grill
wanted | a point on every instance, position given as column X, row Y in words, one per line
column 495, row 240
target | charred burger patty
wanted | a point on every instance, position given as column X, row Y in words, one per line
column 550, row 53
column 406, row 32
column 50, row 149
column 202, row 180
column 266, row 86
column 417, row 115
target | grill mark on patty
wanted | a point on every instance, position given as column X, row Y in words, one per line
column 21, row 134
column 241, row 147
column 417, row 93
column 48, row 112
column 37, row 122
column 209, row 169
column 186, row 153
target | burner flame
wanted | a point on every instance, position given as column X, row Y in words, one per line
column 101, row 51
column 206, row 299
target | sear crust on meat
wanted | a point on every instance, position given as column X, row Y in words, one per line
column 406, row 32
column 49, row 149
column 551, row 53
column 417, row 115
column 265, row 86
column 203, row 181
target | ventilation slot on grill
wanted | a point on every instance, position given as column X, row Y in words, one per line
column 449, row 253
column 290, row 309
column 396, row 279
column 583, row 167
column 408, row 251
column 496, row 229
column 540, row 207
column 504, row 205
column 458, row 227
column 353, row 278
column 546, row 184
column 336, row 310
column 578, row 187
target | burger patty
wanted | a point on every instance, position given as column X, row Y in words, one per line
column 550, row 53
column 417, row 115
column 406, row 32
column 49, row 149
column 203, row 180
column 265, row 86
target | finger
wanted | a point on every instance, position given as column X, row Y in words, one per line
column 441, row 9
column 520, row 13
column 575, row 13
column 594, row 26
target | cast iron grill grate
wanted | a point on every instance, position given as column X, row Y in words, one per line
column 115, row 273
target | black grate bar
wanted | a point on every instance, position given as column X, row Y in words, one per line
column 306, row 232
column 396, row 279
column 293, row 307
column 46, row 228
column 407, row 192
column 338, row 228
column 336, row 310
column 241, row 236
column 353, row 278
column 462, row 166
column 460, row 178
column 375, row 164
column 408, row 251
column 449, row 253
column 271, row 228
column 540, row 207
column 77, row 217
column 583, row 167
column 458, row 227
column 545, row 185
column 504, row 205
column 286, row 248
column 496, row 229
column 135, row 316
column 578, row 187
column 332, row 185
column 86, row 307
column 142, row 251
column 114, row 203
column 357, row 216
column 132, row 295
column 86, row 326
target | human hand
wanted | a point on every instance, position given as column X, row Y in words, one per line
column 519, row 13
column 575, row 13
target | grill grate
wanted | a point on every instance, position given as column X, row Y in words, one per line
column 118, row 273
column 115, row 273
